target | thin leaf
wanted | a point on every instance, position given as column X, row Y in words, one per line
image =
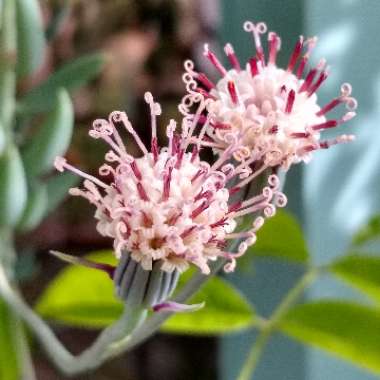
column 52, row 139
column 84, row 297
column 226, row 310
column 369, row 232
column 9, row 365
column 347, row 330
column 57, row 188
column 36, row 207
column 13, row 187
column 30, row 37
column 281, row 237
column 361, row 272
column 71, row 76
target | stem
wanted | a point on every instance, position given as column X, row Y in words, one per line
column 69, row 364
column 268, row 328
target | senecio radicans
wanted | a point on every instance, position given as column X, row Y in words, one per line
column 168, row 209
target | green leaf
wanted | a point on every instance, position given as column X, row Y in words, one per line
column 13, row 187
column 52, row 139
column 369, row 232
column 347, row 330
column 361, row 272
column 71, row 76
column 82, row 297
column 226, row 310
column 58, row 187
column 79, row 296
column 30, row 37
column 9, row 365
column 36, row 207
column 281, row 237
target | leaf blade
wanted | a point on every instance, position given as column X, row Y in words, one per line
column 30, row 37
column 288, row 244
column 71, row 76
column 360, row 271
column 355, row 338
column 226, row 310
column 52, row 139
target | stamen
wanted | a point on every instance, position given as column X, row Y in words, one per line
column 290, row 101
column 202, row 77
column 322, row 77
column 233, row 93
column 142, row 192
column 253, row 66
column 61, row 164
column 326, row 125
column 229, row 50
column 214, row 60
column 295, row 55
column 274, row 47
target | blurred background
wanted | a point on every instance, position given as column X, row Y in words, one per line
column 145, row 43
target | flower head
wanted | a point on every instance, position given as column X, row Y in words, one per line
column 168, row 207
column 272, row 111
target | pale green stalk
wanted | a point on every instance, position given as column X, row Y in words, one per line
column 269, row 327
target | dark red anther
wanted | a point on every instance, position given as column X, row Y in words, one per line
column 142, row 192
column 219, row 223
column 154, row 148
column 274, row 43
column 218, row 125
column 232, row 90
column 324, row 144
column 204, row 93
column 253, row 66
column 232, row 57
column 200, row 209
column 179, row 158
column 194, row 153
column 167, row 179
column 234, row 207
column 301, row 66
column 309, row 148
column 326, row 125
column 202, row 77
column 188, row 231
column 214, row 60
column 300, row 135
column 234, row 190
column 322, row 77
column 273, row 129
column 175, row 144
column 173, row 219
column 290, row 101
column 308, row 80
column 136, row 170
column 203, row 194
column 202, row 119
column 329, row 106
column 295, row 55
column 146, row 220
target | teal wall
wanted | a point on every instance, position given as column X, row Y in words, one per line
column 334, row 194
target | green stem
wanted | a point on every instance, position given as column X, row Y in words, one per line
column 69, row 364
column 270, row 326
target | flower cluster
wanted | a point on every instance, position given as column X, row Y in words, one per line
column 167, row 208
column 272, row 111
column 168, row 205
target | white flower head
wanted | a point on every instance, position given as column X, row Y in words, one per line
column 168, row 206
column 273, row 112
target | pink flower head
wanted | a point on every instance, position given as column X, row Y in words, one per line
column 168, row 205
column 272, row 111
